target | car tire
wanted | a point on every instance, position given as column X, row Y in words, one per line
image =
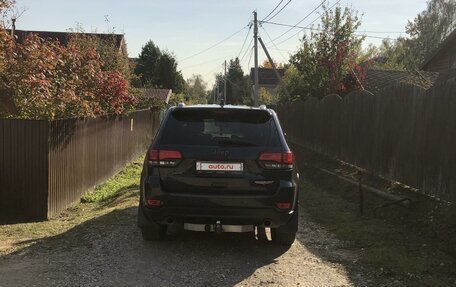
column 154, row 233
column 285, row 235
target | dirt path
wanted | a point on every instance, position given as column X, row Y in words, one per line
column 109, row 250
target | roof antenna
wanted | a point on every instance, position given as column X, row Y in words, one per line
column 107, row 22
column 222, row 102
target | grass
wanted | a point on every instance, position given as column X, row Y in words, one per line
column 382, row 245
column 128, row 178
column 117, row 193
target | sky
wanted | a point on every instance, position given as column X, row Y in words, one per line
column 189, row 28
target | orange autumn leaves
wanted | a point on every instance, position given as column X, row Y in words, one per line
column 48, row 80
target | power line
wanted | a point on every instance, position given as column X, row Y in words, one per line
column 337, row 2
column 361, row 31
column 245, row 40
column 300, row 21
column 283, row 50
column 273, row 9
column 250, row 58
column 280, row 53
column 203, row 63
column 215, row 45
column 247, row 50
column 212, row 71
column 382, row 32
column 315, row 29
column 279, row 10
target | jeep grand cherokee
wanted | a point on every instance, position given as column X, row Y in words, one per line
column 219, row 168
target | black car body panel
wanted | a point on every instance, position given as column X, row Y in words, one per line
column 178, row 189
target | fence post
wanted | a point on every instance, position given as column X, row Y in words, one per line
column 361, row 193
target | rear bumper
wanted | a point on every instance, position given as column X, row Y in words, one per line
column 207, row 209
column 233, row 216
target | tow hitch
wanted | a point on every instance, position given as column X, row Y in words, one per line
column 218, row 227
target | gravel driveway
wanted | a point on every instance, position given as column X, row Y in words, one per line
column 109, row 251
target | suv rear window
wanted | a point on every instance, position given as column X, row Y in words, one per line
column 209, row 127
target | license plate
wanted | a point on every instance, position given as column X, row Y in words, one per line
column 219, row 166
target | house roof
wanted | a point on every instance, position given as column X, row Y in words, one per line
column 377, row 79
column 162, row 94
column 449, row 39
column 267, row 76
column 64, row 37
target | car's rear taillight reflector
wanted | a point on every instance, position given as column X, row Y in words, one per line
column 153, row 202
column 283, row 205
column 164, row 157
column 277, row 160
column 169, row 154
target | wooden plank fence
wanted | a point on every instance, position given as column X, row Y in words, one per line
column 45, row 166
column 403, row 133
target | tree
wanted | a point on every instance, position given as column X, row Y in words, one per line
column 196, row 89
column 389, row 56
column 425, row 34
column 237, row 90
column 168, row 75
column 428, row 30
column 267, row 64
column 48, row 80
column 327, row 59
column 6, row 7
column 112, row 59
column 147, row 63
column 294, row 82
column 158, row 68
column 265, row 98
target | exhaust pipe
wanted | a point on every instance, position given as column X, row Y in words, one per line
column 267, row 223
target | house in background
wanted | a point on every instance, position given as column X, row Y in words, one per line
column 378, row 79
column 64, row 38
column 267, row 79
column 444, row 57
column 443, row 60
column 158, row 94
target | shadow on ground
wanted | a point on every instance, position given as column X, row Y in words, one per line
column 109, row 250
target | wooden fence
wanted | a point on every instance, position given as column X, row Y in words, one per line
column 403, row 133
column 45, row 166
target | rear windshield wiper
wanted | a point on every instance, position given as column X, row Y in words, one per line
column 235, row 142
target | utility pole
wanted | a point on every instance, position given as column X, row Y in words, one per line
column 218, row 91
column 255, row 43
column 224, row 90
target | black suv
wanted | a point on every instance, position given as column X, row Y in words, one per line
column 219, row 168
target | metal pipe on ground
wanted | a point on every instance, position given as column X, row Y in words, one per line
column 380, row 193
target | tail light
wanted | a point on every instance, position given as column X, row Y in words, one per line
column 283, row 205
column 277, row 160
column 162, row 157
column 154, row 202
